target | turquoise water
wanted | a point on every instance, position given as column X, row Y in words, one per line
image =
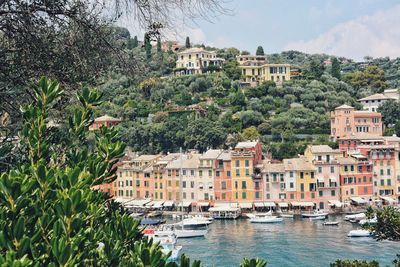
column 295, row 242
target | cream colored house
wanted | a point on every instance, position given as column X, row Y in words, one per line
column 196, row 60
column 256, row 69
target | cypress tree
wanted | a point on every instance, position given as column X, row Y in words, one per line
column 335, row 70
column 187, row 44
column 135, row 42
column 158, row 44
column 260, row 51
column 147, row 45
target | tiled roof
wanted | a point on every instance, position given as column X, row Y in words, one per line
column 225, row 156
column 322, row 149
column 247, row 144
column 189, row 161
column 274, row 167
column 106, row 118
column 375, row 97
column 344, row 107
column 211, row 154
column 298, row 164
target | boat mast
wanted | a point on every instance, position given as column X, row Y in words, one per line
column 180, row 183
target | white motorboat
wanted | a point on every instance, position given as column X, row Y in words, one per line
column 287, row 215
column 315, row 214
column 355, row 217
column 359, row 233
column 175, row 250
column 331, row 223
column 368, row 221
column 186, row 233
column 194, row 222
column 255, row 215
column 266, row 219
column 317, row 218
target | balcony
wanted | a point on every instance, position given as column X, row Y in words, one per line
column 256, row 176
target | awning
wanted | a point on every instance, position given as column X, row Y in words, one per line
column 226, row 204
column 158, row 204
column 358, row 200
column 259, row 204
column 388, row 199
column 185, row 204
column 224, row 208
column 321, row 180
column 335, row 203
column 246, row 205
column 269, row 204
column 139, row 202
column 168, row 204
column 303, row 204
column 203, row 204
column 150, row 204
column 283, row 204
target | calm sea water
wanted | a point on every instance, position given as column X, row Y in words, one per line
column 295, row 242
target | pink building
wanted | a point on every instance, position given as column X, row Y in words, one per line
column 105, row 120
column 346, row 121
column 223, row 178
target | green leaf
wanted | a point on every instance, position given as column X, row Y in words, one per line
column 19, row 228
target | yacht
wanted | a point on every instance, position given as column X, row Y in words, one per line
column 266, row 219
column 355, row 217
column 359, row 233
column 315, row 214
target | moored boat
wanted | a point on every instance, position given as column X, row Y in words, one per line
column 317, row 218
column 331, row 223
column 187, row 233
column 359, row 233
column 266, row 219
column 314, row 214
column 368, row 221
column 355, row 217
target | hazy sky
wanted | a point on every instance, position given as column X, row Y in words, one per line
column 350, row 28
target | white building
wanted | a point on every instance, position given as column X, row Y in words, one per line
column 197, row 60
column 373, row 102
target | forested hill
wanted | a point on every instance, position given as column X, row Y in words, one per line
column 162, row 112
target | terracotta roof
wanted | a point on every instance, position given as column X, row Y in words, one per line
column 347, row 160
column 274, row 167
column 366, row 113
column 189, row 161
column 364, row 136
column 375, row 97
column 106, row 118
column 211, row 154
column 225, row 156
column 344, row 107
column 146, row 157
column 247, row 144
column 298, row 164
column 322, row 149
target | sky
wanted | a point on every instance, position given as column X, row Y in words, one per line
column 349, row 28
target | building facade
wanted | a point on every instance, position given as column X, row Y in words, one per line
column 197, row 61
column 346, row 121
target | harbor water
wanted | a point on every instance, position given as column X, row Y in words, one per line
column 294, row 242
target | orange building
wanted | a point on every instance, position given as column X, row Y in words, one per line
column 223, row 178
column 346, row 121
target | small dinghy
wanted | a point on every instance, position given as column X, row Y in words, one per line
column 359, row 233
column 331, row 223
column 317, row 218
column 266, row 219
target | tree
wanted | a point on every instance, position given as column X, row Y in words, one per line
column 354, row 263
column 316, row 68
column 159, row 44
column 147, row 45
column 335, row 70
column 250, row 133
column 388, row 224
column 135, row 42
column 202, row 134
column 260, row 51
column 391, row 112
column 187, row 42
column 232, row 70
column 50, row 215
column 372, row 78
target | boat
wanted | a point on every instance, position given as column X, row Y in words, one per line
column 287, row 215
column 368, row 221
column 266, row 219
column 355, row 217
column 194, row 222
column 175, row 250
column 255, row 215
column 224, row 212
column 187, row 233
column 317, row 218
column 315, row 214
column 331, row 223
column 359, row 233
column 167, row 241
column 151, row 222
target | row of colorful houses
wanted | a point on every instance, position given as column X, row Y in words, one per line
column 364, row 169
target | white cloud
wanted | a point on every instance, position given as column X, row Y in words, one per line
column 376, row 35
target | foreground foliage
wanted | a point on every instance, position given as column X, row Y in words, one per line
column 50, row 216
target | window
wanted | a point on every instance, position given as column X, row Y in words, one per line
column 319, row 158
column 389, row 182
column 301, row 175
column 192, row 172
column 381, row 172
column 246, row 163
column 302, row 195
column 257, row 195
column 184, row 184
column 228, row 173
column 137, row 183
column 184, row 195
column 206, row 197
column 320, row 193
column 192, row 195
column 291, row 185
column 319, row 169
column 291, row 174
column 192, row 184
column 365, row 179
column 236, row 185
column 346, row 168
column 332, row 169
column 352, row 168
column 292, row 196
column 200, row 173
column 268, row 196
column 247, row 172
column 244, row 195
column 223, row 185
column 237, row 172
column 183, row 172
column 388, row 171
column 333, row 193
column 237, row 163
column 244, row 185
column 209, row 173
column 217, row 173
column 236, row 195
column 302, row 187
column 352, row 191
column 130, row 183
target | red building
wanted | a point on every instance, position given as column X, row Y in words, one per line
column 106, row 121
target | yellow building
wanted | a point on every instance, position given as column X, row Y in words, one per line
column 197, row 60
column 256, row 69
column 242, row 171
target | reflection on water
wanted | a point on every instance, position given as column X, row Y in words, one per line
column 298, row 242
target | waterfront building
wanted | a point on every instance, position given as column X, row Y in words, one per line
column 223, row 178
column 346, row 121
column 325, row 160
column 356, row 178
column 197, row 60
column 158, row 170
column 106, row 121
column 274, row 180
column 256, row 69
column 246, row 187
column 306, row 182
